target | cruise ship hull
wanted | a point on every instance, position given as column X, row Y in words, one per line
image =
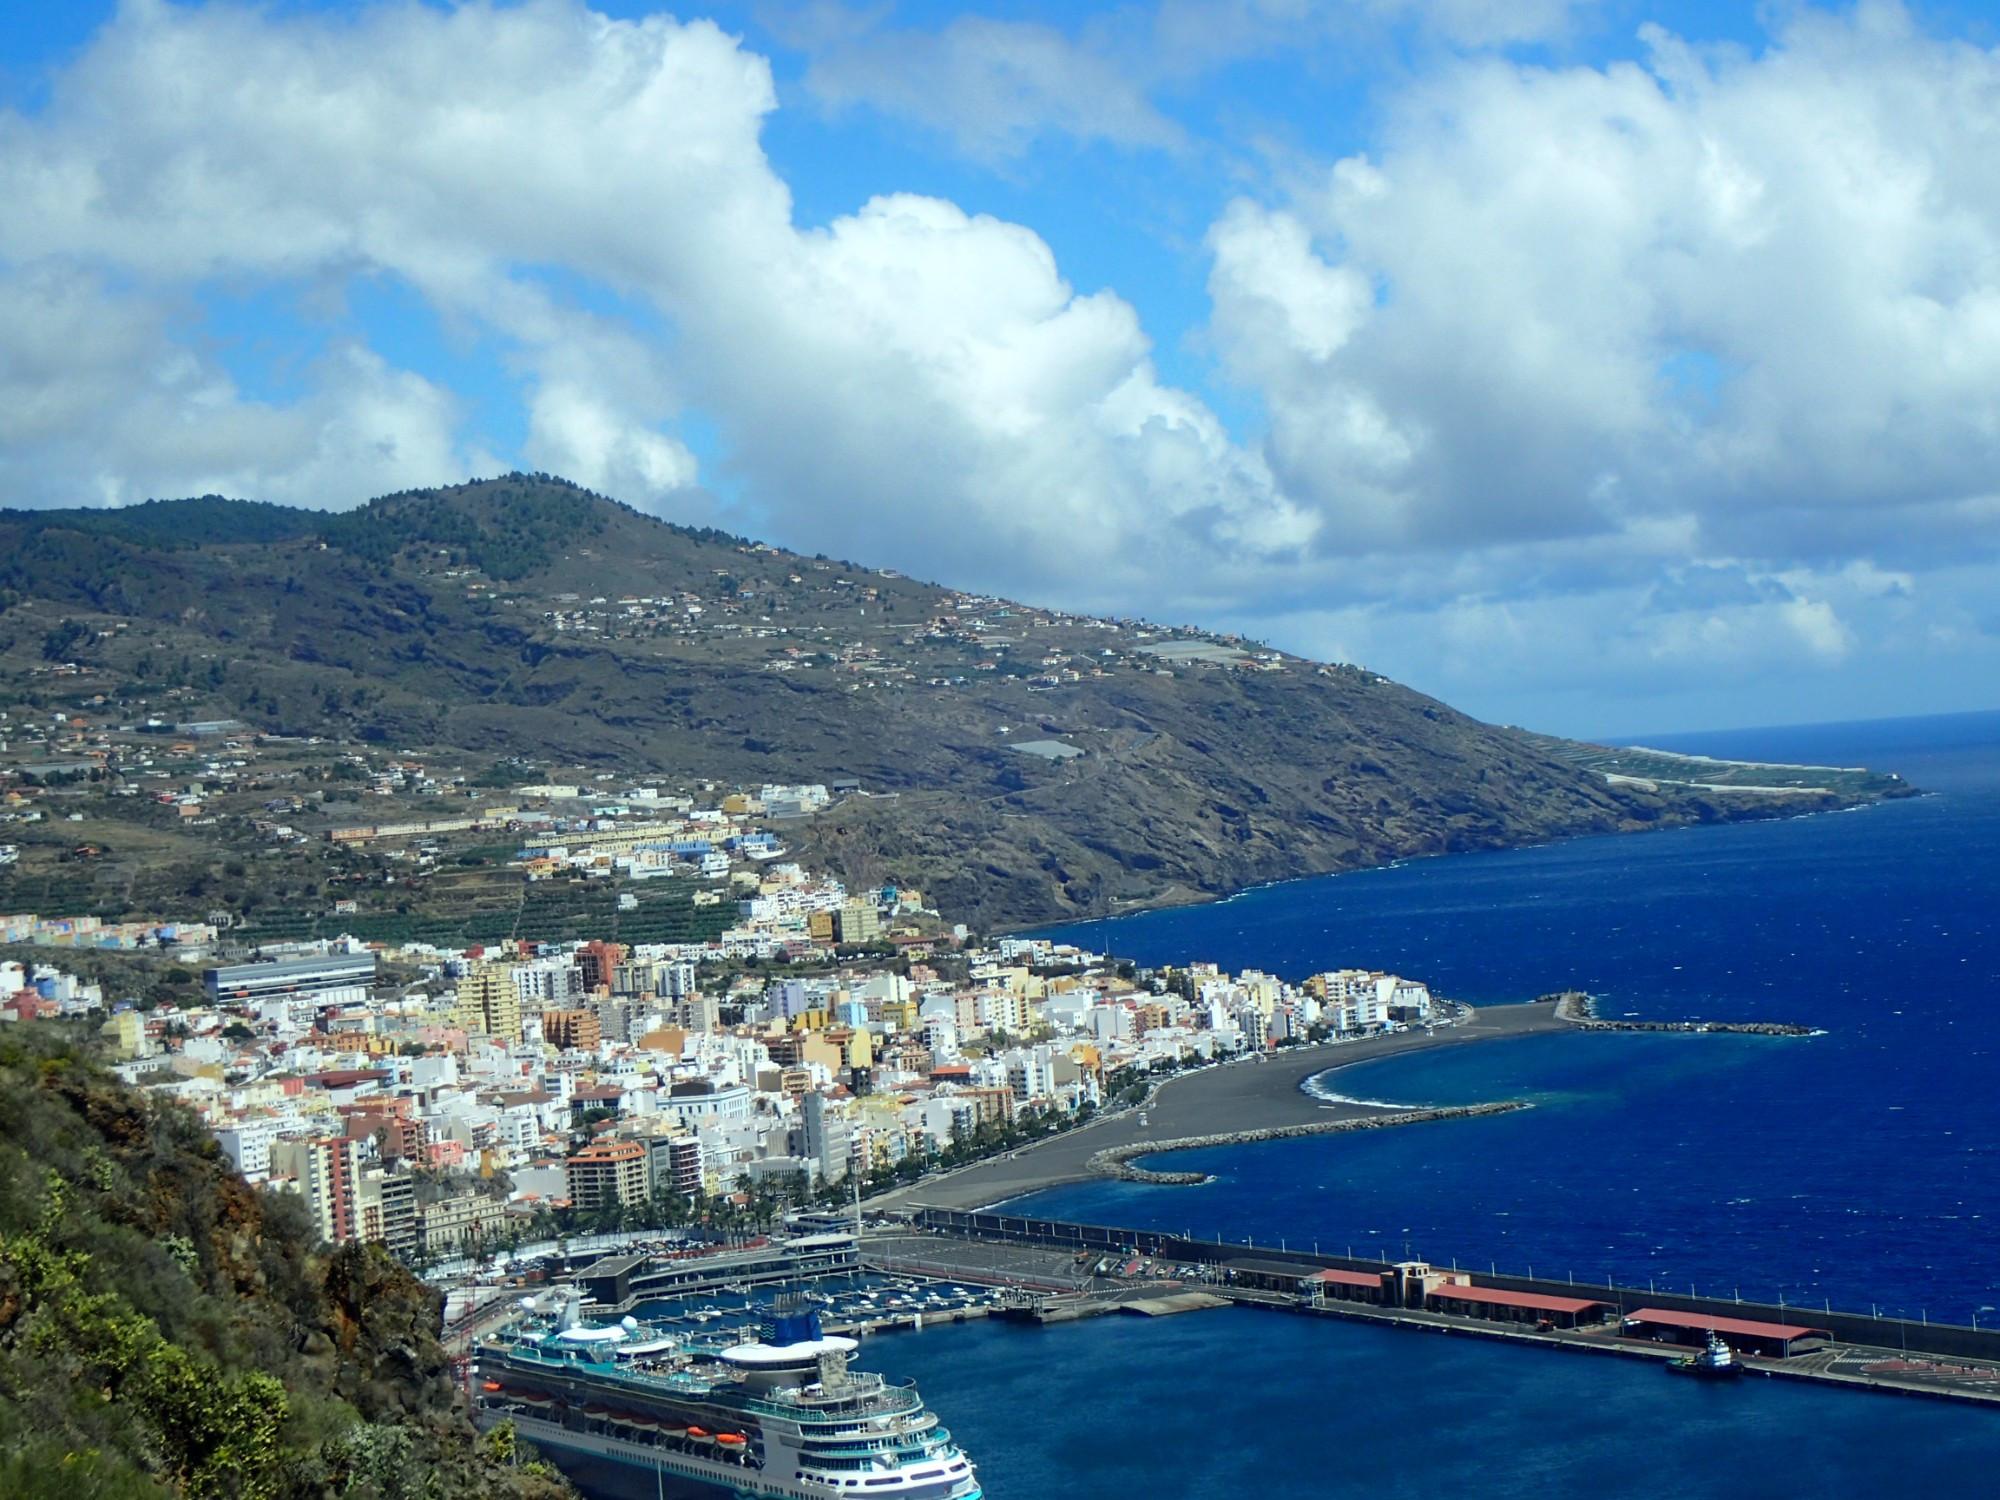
column 604, row 1468
column 631, row 1413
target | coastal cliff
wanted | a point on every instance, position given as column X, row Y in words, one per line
column 168, row 1332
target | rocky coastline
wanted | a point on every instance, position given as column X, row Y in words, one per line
column 1579, row 1010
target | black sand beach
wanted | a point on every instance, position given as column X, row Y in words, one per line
column 1239, row 1096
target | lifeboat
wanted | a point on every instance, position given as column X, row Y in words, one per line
column 732, row 1439
column 489, row 1385
column 699, row 1434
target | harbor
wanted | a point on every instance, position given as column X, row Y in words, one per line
column 1117, row 1267
column 938, row 1267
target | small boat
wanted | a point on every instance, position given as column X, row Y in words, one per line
column 1715, row 1362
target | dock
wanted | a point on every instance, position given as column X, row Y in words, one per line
column 1110, row 1269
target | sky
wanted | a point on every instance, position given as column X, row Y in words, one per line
column 1599, row 367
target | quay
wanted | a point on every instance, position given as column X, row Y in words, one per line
column 955, row 1266
column 1120, row 1270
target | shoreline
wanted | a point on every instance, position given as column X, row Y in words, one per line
column 1813, row 803
column 1259, row 1097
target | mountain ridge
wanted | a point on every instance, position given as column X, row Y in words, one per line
column 527, row 618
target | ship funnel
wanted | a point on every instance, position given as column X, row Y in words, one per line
column 792, row 1320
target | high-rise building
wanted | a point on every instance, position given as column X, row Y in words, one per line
column 607, row 1173
column 386, row 1210
column 674, row 1164
column 859, row 923
column 599, row 962
column 328, row 1171
column 571, row 1030
column 824, row 1137
column 636, row 978
column 697, row 1013
column 489, row 1003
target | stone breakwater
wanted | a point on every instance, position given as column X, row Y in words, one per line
column 1577, row 1009
column 1116, row 1161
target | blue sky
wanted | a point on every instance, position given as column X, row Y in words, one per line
column 1592, row 366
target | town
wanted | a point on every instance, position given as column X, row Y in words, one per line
column 448, row 1101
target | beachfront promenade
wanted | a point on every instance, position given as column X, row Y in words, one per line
column 1249, row 1095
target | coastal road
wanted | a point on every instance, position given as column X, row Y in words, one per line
column 1245, row 1095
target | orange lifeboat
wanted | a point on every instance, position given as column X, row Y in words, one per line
column 698, row 1433
column 489, row 1385
column 732, row 1439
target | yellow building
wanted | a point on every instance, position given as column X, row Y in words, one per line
column 489, row 1003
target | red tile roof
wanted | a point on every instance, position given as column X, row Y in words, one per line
column 1704, row 1321
column 1533, row 1301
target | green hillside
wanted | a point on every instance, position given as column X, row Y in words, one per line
column 169, row 1333
column 525, row 619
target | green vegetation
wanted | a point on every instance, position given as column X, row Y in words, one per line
column 515, row 527
column 532, row 631
column 169, row 1333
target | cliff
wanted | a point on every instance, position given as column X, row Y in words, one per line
column 168, row 1331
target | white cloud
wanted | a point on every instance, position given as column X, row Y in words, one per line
column 1673, row 376
column 1764, row 295
column 994, row 87
column 910, row 382
column 101, row 405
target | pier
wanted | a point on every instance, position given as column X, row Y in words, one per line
column 1850, row 1350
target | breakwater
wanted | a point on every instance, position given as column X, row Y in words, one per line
column 1579, row 1010
column 1117, row 1161
column 1851, row 1350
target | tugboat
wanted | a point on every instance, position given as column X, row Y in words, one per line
column 1716, row 1362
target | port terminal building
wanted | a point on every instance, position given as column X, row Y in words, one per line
column 618, row 1282
column 1744, row 1335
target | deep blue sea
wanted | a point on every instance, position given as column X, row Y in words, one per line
column 1860, row 1168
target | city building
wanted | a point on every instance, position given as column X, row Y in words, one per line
column 327, row 1171
column 295, row 991
column 606, row 1174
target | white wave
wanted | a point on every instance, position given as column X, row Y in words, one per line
column 1316, row 1086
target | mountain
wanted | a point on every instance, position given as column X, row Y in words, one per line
column 167, row 1330
column 1022, row 765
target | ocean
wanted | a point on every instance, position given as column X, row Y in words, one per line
column 1856, row 1168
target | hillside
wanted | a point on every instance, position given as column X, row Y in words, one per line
column 1043, row 766
column 168, row 1331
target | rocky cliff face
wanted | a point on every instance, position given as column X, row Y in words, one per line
column 168, row 1331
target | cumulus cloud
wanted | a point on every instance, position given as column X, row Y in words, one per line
column 1660, row 372
column 994, row 87
column 1760, row 294
column 911, row 381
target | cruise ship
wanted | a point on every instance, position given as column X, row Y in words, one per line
column 630, row 1412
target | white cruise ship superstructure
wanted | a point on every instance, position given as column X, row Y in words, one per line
column 633, row 1413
